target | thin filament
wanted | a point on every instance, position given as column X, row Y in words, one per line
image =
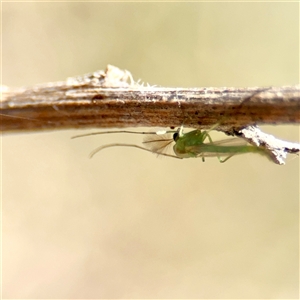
column 128, row 145
column 116, row 131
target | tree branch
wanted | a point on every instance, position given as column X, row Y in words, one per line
column 112, row 99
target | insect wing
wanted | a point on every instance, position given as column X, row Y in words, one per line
column 158, row 143
column 217, row 148
column 229, row 142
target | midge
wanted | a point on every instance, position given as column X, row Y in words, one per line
column 191, row 144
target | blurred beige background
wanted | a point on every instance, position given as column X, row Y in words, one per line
column 127, row 224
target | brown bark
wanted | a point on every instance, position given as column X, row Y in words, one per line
column 112, row 99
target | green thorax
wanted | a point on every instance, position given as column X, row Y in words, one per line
column 185, row 141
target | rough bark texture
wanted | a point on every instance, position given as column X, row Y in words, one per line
column 111, row 98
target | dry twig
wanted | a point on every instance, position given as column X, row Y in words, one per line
column 112, row 99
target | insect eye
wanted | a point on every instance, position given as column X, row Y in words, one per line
column 175, row 136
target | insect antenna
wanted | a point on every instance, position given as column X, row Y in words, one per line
column 128, row 145
column 116, row 131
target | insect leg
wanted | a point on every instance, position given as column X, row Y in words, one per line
column 223, row 160
column 211, row 141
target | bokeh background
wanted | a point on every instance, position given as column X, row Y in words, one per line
column 127, row 224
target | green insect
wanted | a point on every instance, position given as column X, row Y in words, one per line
column 196, row 143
